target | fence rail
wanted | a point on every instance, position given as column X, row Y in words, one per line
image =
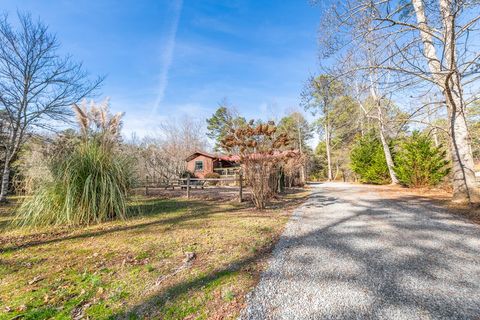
column 188, row 183
column 210, row 179
column 227, row 171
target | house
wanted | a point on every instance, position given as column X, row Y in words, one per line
column 202, row 163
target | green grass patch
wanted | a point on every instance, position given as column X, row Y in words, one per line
column 113, row 269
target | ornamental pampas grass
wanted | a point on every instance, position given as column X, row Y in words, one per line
column 91, row 183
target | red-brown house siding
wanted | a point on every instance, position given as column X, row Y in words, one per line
column 207, row 166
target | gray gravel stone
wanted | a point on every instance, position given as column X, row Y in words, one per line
column 349, row 254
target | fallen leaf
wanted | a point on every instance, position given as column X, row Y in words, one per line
column 22, row 308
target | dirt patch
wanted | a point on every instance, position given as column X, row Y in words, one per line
column 435, row 196
column 220, row 193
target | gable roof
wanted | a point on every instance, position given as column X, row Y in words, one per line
column 231, row 158
column 200, row 153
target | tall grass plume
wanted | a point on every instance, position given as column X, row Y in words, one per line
column 90, row 184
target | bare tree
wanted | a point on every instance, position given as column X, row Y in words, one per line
column 299, row 132
column 319, row 96
column 376, row 111
column 426, row 43
column 161, row 158
column 37, row 85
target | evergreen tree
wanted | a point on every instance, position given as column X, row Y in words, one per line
column 368, row 160
column 221, row 122
column 419, row 163
column 318, row 169
column 298, row 130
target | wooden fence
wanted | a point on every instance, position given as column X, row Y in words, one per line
column 190, row 183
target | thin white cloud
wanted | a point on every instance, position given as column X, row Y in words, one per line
column 136, row 123
column 141, row 126
column 167, row 57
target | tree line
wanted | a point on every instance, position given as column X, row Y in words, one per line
column 396, row 101
column 416, row 58
column 351, row 147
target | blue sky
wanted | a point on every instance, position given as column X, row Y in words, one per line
column 168, row 59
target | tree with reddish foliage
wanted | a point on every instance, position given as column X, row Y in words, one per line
column 260, row 150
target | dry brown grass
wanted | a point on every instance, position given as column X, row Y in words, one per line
column 440, row 196
column 217, row 193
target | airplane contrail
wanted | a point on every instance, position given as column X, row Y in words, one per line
column 167, row 57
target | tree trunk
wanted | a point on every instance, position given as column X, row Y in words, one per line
column 432, row 126
column 388, row 156
column 464, row 183
column 329, row 158
column 302, row 175
column 435, row 137
column 336, row 171
column 465, row 187
column 300, row 147
column 10, row 154
column 386, row 148
column 5, row 182
column 281, row 181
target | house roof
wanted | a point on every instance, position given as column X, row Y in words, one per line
column 212, row 156
column 202, row 153
column 234, row 158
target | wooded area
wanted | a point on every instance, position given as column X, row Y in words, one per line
column 412, row 62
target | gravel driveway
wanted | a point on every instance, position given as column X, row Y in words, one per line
column 349, row 254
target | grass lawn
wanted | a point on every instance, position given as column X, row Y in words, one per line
column 138, row 269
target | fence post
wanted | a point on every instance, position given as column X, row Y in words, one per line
column 146, row 185
column 188, row 187
column 240, row 191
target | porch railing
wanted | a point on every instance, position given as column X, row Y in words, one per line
column 226, row 171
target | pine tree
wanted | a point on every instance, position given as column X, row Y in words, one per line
column 419, row 163
column 222, row 122
column 368, row 160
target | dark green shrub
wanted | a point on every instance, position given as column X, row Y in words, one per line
column 419, row 163
column 187, row 174
column 368, row 160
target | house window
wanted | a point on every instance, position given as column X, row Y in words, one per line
column 198, row 165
